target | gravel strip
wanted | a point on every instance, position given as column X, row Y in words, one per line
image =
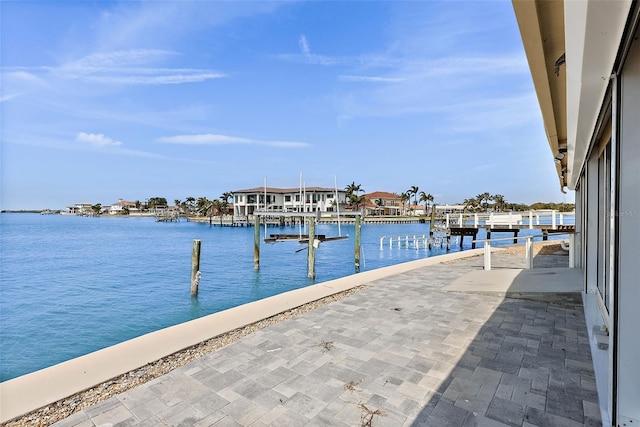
column 70, row 405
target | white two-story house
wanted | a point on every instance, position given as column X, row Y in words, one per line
column 310, row 199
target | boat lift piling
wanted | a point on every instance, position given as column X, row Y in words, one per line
column 313, row 241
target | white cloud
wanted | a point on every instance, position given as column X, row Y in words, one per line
column 370, row 79
column 6, row 98
column 153, row 80
column 97, row 140
column 127, row 67
column 311, row 58
column 216, row 139
column 119, row 58
column 304, row 45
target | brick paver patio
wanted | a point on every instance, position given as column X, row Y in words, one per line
column 399, row 353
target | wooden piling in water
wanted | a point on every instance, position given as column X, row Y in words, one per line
column 357, row 244
column 311, row 254
column 195, row 267
column 256, row 243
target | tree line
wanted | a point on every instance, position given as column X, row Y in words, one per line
column 483, row 202
column 355, row 198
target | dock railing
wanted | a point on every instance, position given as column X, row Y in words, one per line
column 405, row 239
column 510, row 219
column 528, row 250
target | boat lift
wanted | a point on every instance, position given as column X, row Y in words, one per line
column 311, row 239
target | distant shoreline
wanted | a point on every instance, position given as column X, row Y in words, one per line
column 29, row 211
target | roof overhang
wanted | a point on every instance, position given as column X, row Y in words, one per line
column 541, row 25
column 588, row 33
column 594, row 30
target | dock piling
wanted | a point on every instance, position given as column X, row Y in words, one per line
column 311, row 254
column 357, row 244
column 195, row 267
column 256, row 243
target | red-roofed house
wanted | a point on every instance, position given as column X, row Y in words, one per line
column 122, row 207
column 382, row 203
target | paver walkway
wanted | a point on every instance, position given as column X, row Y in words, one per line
column 400, row 353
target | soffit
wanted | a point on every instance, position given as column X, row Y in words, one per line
column 541, row 24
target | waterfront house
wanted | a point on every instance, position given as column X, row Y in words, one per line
column 122, row 207
column 309, row 199
column 80, row 209
column 584, row 58
column 382, row 203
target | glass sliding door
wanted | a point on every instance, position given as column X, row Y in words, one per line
column 603, row 282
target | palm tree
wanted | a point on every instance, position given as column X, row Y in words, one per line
column 424, row 197
column 225, row 202
column 215, row 207
column 378, row 203
column 414, row 190
column 483, row 200
column 226, row 196
column 357, row 200
column 96, row 208
column 500, row 201
column 404, row 198
column 352, row 190
column 190, row 202
column 203, row 204
column 471, row 204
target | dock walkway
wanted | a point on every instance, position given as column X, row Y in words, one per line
column 402, row 352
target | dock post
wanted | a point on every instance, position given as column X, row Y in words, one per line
column 311, row 252
column 530, row 220
column 475, row 220
column 357, row 244
column 572, row 242
column 256, row 242
column 195, row 267
column 553, row 220
column 529, row 252
column 447, row 221
column 487, row 255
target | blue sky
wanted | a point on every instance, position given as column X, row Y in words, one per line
column 106, row 100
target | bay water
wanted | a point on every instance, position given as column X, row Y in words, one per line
column 70, row 285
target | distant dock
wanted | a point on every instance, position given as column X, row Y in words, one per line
column 285, row 221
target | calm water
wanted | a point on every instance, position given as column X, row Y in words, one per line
column 71, row 285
